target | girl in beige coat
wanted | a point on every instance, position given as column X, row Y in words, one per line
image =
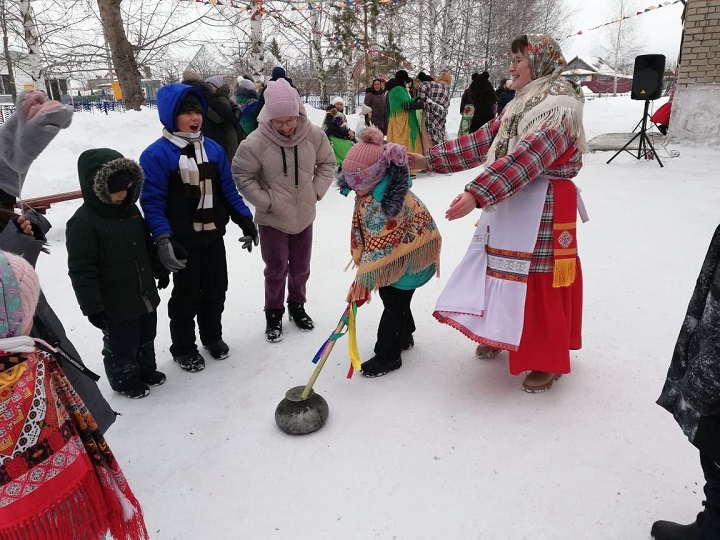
column 284, row 168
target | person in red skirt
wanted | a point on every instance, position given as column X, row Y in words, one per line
column 519, row 287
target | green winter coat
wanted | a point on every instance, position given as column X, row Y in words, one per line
column 109, row 248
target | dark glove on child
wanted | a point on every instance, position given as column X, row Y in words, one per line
column 172, row 255
column 250, row 233
column 163, row 281
column 98, row 320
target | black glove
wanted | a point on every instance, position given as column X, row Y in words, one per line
column 98, row 320
column 413, row 105
column 163, row 281
column 172, row 255
column 250, row 234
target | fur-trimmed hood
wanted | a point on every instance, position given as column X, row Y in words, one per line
column 397, row 187
column 95, row 167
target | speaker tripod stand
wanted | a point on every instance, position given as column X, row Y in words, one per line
column 645, row 147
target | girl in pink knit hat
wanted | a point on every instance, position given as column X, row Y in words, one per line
column 395, row 242
column 284, row 168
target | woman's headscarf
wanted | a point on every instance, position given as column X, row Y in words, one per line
column 544, row 55
column 547, row 101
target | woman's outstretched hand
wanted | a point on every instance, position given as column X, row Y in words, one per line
column 461, row 206
column 417, row 162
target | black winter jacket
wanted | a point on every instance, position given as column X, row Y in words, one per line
column 109, row 248
column 692, row 389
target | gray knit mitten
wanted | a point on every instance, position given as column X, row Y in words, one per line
column 26, row 134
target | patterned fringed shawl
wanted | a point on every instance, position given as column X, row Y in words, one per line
column 58, row 478
column 386, row 248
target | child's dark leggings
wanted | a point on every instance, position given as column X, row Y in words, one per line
column 396, row 323
column 129, row 350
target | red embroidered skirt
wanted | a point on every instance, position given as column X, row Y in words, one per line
column 552, row 325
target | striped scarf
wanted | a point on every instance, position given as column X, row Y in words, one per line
column 196, row 174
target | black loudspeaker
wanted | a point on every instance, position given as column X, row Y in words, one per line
column 648, row 76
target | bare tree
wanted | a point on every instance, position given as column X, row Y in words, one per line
column 620, row 45
column 4, row 25
column 37, row 72
column 123, row 54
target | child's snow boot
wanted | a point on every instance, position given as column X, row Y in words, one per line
column 191, row 362
column 377, row 367
column 301, row 319
column 219, row 350
column 273, row 328
column 156, row 378
column 669, row 530
column 134, row 389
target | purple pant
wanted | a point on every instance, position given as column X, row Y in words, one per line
column 287, row 258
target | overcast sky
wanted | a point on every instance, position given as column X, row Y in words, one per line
column 657, row 31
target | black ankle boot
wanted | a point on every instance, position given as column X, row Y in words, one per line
column 273, row 328
column 301, row 319
column 669, row 530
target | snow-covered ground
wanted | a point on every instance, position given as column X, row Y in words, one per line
column 448, row 447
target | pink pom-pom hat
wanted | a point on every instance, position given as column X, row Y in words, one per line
column 367, row 161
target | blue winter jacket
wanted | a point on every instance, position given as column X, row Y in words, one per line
column 167, row 209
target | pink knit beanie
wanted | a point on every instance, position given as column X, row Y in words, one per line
column 368, row 160
column 20, row 290
column 281, row 99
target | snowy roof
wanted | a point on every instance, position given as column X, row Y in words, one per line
column 587, row 66
column 578, row 72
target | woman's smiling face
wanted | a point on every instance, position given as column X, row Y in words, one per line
column 519, row 70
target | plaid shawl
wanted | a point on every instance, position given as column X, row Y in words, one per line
column 58, row 478
column 436, row 97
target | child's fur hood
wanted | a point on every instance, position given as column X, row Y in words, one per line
column 394, row 196
column 95, row 167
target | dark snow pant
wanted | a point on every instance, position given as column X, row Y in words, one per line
column 396, row 323
column 129, row 350
column 198, row 291
column 287, row 259
column 711, row 527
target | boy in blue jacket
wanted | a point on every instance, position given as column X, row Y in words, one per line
column 188, row 197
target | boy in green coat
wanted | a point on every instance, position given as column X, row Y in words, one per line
column 112, row 271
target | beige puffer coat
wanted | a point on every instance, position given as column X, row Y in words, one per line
column 268, row 180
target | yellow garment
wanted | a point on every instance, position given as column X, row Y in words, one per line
column 12, row 375
column 399, row 131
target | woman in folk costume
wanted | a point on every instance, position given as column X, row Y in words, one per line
column 525, row 249
column 435, row 96
column 395, row 243
column 403, row 125
column 58, row 478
